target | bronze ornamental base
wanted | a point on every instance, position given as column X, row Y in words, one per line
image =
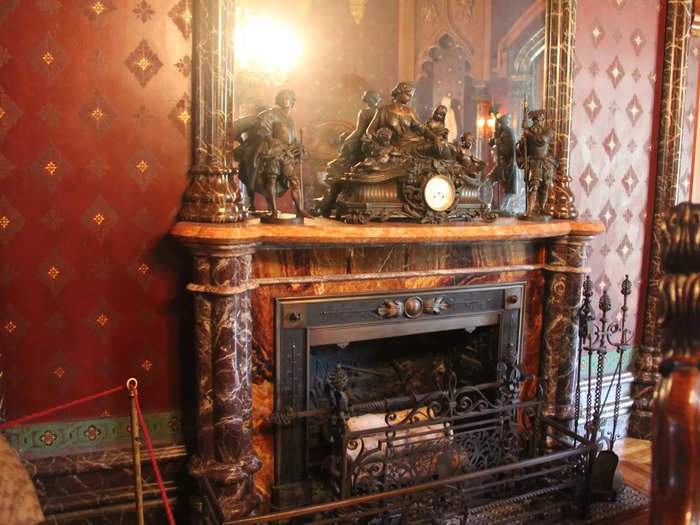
column 360, row 202
column 289, row 219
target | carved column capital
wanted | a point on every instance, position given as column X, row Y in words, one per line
column 214, row 192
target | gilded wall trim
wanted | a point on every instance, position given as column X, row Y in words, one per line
column 678, row 21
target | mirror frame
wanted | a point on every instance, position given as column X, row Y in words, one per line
column 668, row 113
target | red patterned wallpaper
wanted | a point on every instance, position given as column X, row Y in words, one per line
column 94, row 113
column 611, row 125
column 93, row 156
column 93, row 153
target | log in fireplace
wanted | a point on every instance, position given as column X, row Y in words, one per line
column 251, row 278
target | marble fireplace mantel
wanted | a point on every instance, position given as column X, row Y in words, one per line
column 327, row 232
column 241, row 268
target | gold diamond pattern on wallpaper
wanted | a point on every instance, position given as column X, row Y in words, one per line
column 610, row 165
column 12, row 221
column 100, row 218
column 634, row 110
column 103, row 320
column 48, row 58
column 97, row 113
column 10, row 113
column 181, row 15
column 143, row 168
column 611, row 144
column 592, row 105
column 597, row 33
column 96, row 10
column 66, row 100
column 180, row 115
column 615, row 72
column 54, row 272
column 50, row 168
column 588, row 179
column 143, row 63
column 14, row 326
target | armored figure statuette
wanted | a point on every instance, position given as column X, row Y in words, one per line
column 534, row 157
column 267, row 157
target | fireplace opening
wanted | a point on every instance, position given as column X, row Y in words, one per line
column 391, row 351
column 403, row 367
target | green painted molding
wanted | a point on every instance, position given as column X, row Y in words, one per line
column 59, row 438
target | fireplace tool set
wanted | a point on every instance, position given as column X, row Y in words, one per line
column 597, row 341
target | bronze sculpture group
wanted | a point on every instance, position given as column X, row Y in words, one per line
column 393, row 165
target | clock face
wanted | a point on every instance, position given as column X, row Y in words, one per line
column 439, row 193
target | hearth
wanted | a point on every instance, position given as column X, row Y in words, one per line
column 390, row 349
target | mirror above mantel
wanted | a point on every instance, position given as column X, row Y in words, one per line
column 473, row 56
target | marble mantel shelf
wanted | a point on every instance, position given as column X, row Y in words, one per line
column 327, row 232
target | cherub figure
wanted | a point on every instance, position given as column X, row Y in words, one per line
column 465, row 155
column 380, row 152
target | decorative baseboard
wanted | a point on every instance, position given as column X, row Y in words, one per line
column 83, row 470
column 59, row 438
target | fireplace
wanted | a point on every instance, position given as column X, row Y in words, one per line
column 389, row 346
column 278, row 308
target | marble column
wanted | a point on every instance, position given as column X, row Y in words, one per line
column 560, row 25
column 567, row 269
column 214, row 193
column 223, row 344
column 678, row 19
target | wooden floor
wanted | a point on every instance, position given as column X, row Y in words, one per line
column 635, row 465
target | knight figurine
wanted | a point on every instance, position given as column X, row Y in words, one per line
column 267, row 156
column 533, row 156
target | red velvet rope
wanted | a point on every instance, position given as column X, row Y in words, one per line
column 59, row 407
column 144, row 428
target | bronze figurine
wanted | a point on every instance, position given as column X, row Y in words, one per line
column 351, row 148
column 505, row 172
column 437, row 122
column 466, row 157
column 267, row 157
column 532, row 155
column 351, row 152
column 408, row 169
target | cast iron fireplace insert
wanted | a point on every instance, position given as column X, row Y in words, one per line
column 389, row 345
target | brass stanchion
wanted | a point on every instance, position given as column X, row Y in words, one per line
column 131, row 385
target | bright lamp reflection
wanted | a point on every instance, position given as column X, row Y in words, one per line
column 263, row 45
